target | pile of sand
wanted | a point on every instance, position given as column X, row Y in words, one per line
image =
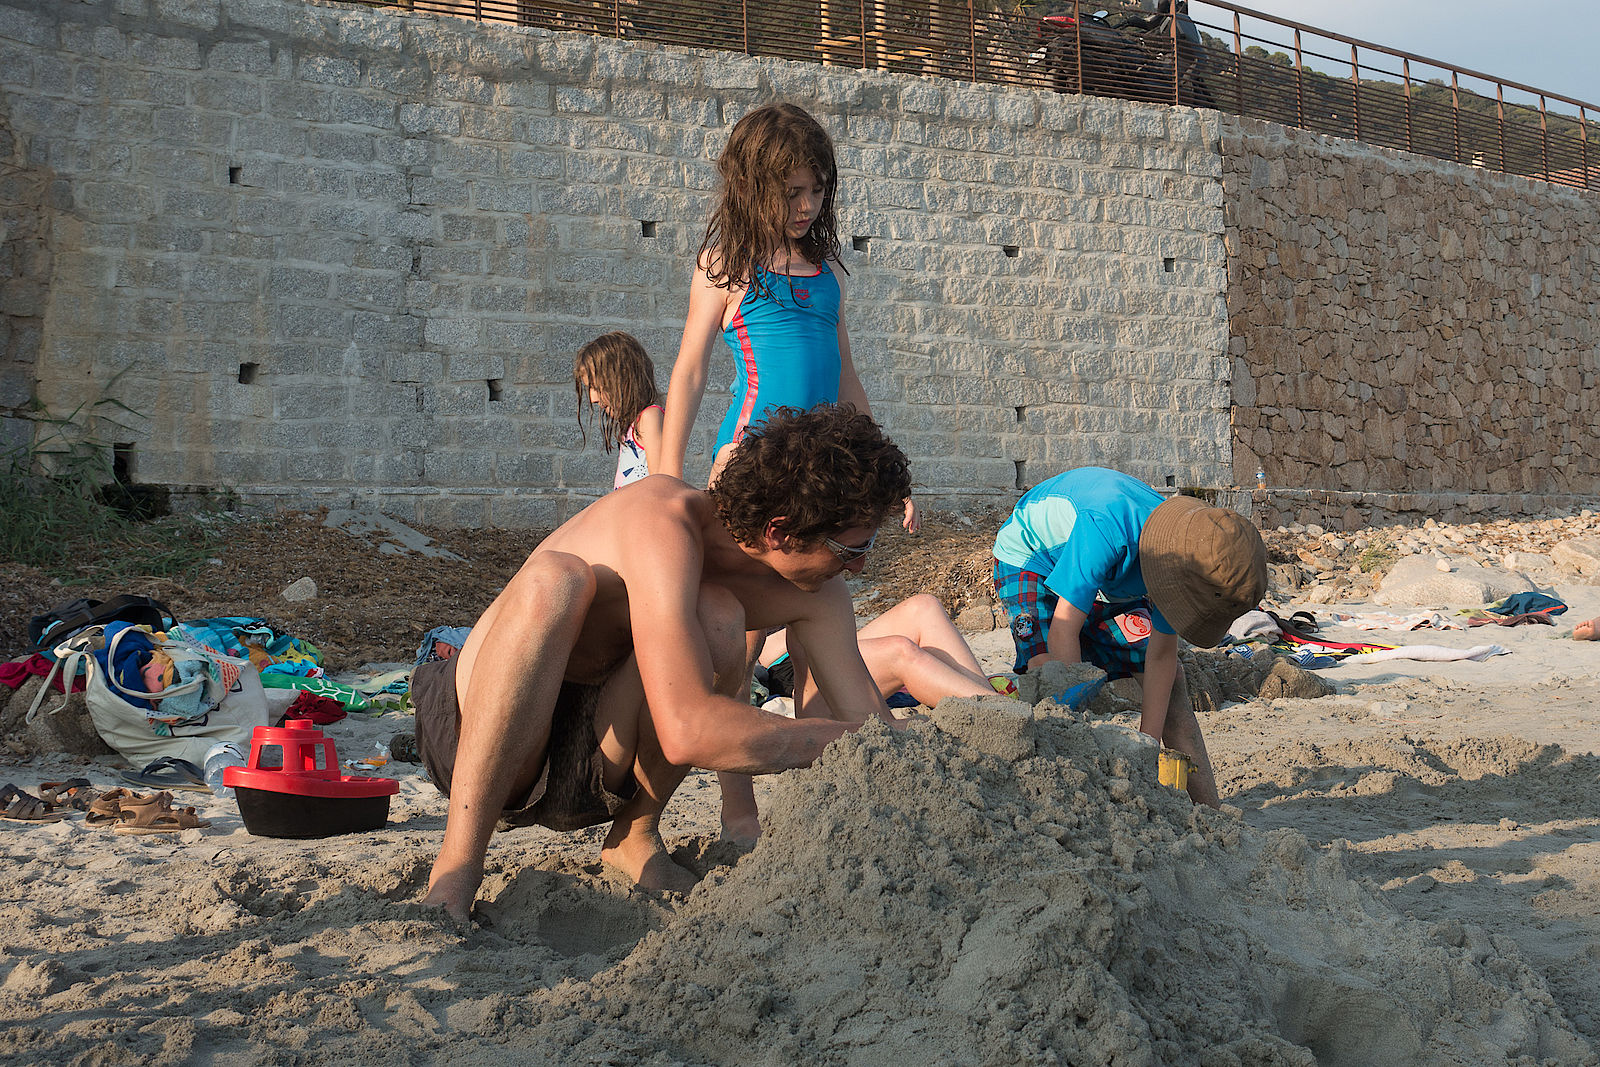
column 998, row 885
column 1022, row 890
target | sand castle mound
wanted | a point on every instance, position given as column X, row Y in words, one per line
column 1009, row 887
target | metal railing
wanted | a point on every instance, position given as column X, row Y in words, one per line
column 1258, row 65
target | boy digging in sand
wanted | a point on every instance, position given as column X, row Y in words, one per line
column 614, row 660
column 1094, row 565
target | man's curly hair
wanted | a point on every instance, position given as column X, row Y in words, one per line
column 824, row 470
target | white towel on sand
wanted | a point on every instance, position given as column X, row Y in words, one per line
column 1429, row 652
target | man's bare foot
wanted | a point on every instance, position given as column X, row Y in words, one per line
column 454, row 893
column 741, row 829
column 1587, row 631
column 644, row 859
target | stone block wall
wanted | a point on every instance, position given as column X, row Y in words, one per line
column 342, row 255
column 25, row 262
column 1409, row 337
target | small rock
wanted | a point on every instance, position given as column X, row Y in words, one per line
column 1290, row 680
column 1443, row 566
column 1510, row 824
column 300, row 589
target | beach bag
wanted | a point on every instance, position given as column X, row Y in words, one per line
column 234, row 701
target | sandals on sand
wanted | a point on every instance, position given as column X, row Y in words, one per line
column 73, row 793
column 154, row 814
column 140, row 813
column 169, row 772
column 25, row 807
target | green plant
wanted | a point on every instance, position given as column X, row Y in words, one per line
column 54, row 513
column 1379, row 556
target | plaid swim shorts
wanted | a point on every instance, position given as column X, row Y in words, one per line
column 1113, row 637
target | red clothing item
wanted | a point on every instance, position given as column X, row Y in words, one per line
column 320, row 710
column 12, row 675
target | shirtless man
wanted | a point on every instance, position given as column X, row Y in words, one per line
column 613, row 661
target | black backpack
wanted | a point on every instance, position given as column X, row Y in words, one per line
column 64, row 620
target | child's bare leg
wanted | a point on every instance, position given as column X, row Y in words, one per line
column 1182, row 734
column 740, row 821
column 507, row 679
column 923, row 619
column 899, row 663
column 633, row 845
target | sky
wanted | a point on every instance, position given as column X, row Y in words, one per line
column 1552, row 45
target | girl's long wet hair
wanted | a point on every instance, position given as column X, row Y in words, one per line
column 616, row 364
column 746, row 230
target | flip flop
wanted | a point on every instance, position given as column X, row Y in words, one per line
column 72, row 793
column 25, row 807
column 156, row 815
column 169, row 772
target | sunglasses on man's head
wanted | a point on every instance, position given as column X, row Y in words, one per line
column 850, row 553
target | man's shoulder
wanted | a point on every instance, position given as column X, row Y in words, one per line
column 648, row 511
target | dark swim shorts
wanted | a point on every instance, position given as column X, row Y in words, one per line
column 570, row 793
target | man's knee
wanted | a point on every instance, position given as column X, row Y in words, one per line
column 554, row 581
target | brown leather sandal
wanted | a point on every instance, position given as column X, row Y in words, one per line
column 156, row 815
column 17, row 806
column 106, row 809
column 74, row 793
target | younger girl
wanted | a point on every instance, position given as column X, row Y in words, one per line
column 768, row 279
column 614, row 374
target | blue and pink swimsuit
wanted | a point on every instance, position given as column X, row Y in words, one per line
column 785, row 341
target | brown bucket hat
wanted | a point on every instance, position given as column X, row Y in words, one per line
column 1204, row 566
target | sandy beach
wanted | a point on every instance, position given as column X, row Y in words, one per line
column 1405, row 871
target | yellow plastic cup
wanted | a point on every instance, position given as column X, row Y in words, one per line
column 1174, row 769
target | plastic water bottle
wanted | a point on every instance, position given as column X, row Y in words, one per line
column 223, row 755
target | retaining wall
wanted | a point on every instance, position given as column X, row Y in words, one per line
column 333, row 254
column 1410, row 337
column 327, row 254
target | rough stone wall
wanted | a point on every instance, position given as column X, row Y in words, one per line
column 1409, row 337
column 337, row 254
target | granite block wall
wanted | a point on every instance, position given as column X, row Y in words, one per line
column 330, row 254
column 342, row 255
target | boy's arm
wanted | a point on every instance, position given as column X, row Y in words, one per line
column 1160, row 671
column 707, row 305
column 1066, row 623
column 697, row 727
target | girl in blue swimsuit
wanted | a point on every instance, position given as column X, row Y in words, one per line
column 768, row 279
